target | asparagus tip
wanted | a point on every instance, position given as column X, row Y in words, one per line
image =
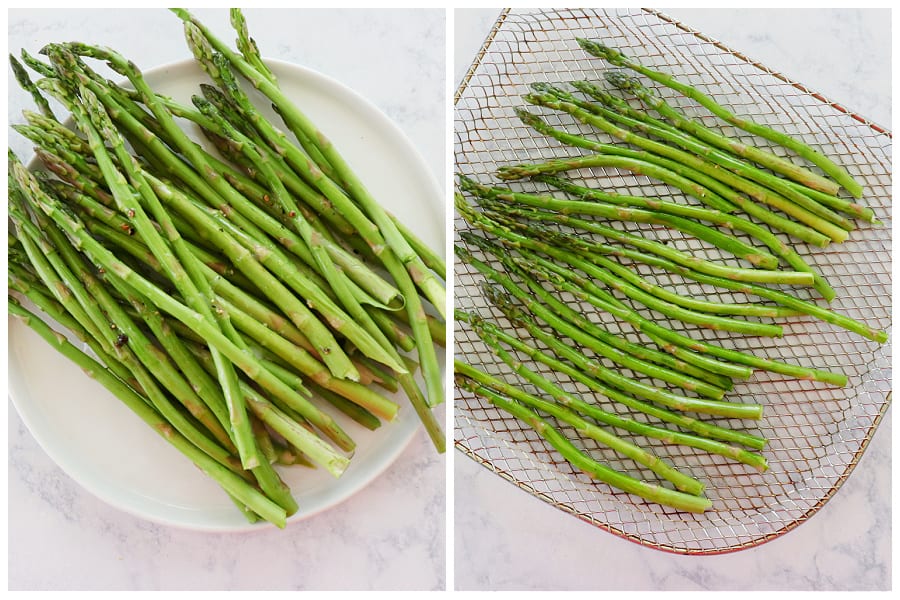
column 525, row 116
column 181, row 13
column 600, row 51
column 621, row 80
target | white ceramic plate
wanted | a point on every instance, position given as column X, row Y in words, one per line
column 111, row 453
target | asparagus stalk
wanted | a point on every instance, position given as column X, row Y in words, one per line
column 242, row 212
column 220, row 71
column 250, row 52
column 582, row 427
column 590, row 197
column 25, row 82
column 632, row 278
column 854, row 209
column 38, row 66
column 247, row 45
column 684, row 403
column 607, row 272
column 583, row 462
column 578, row 321
column 708, row 434
column 275, row 333
column 687, row 361
column 670, row 359
column 714, row 155
column 681, row 121
column 356, row 325
column 724, row 353
column 782, row 298
column 639, row 167
column 233, row 484
column 637, row 120
column 331, row 352
column 540, row 203
column 729, row 185
column 518, row 241
column 114, row 267
column 562, row 247
column 71, row 316
column 571, row 402
column 54, row 262
column 810, row 179
column 417, row 317
column 297, row 121
column 179, row 263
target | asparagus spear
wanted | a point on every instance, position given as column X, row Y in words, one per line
column 356, row 323
column 694, row 165
column 583, row 462
column 250, row 52
column 632, row 278
column 639, row 167
column 114, row 267
column 297, row 121
column 784, row 299
column 25, row 82
column 432, row 375
column 579, row 321
column 331, row 352
column 54, row 263
column 607, row 272
column 491, row 335
column 71, row 316
column 563, row 247
column 684, row 403
column 233, row 484
column 336, row 279
column 38, row 66
column 670, row 360
column 781, row 249
column 730, row 355
column 270, row 330
column 247, row 45
column 841, row 176
column 515, row 240
column 637, row 120
column 616, row 109
column 181, row 266
column 243, row 213
column 275, row 333
column 854, row 209
column 582, row 427
column 584, row 371
column 696, row 263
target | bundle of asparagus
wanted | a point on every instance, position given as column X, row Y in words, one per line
column 218, row 296
column 535, row 250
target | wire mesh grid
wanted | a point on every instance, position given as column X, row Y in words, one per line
column 816, row 434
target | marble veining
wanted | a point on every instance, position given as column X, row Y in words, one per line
column 388, row 536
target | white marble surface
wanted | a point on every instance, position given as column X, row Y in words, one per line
column 507, row 539
column 388, row 536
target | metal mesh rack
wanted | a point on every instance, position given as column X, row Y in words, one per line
column 816, row 433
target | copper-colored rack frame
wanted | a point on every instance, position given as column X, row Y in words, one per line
column 817, row 434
